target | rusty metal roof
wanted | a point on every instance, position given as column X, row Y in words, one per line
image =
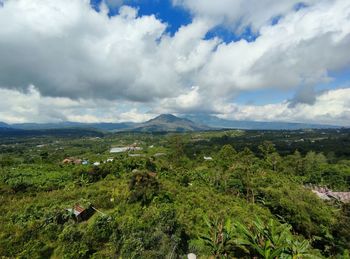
column 77, row 209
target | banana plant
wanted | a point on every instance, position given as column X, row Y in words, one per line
column 272, row 240
column 263, row 240
column 219, row 236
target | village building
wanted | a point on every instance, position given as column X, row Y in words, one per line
column 80, row 213
column 340, row 196
column 159, row 154
column 72, row 161
column 85, row 162
column 152, row 174
column 136, row 155
column 132, row 147
column 118, row 149
column 328, row 195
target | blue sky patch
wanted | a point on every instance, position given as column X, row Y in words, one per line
column 275, row 20
column 300, row 6
column 163, row 10
column 263, row 97
column 227, row 35
column 341, row 79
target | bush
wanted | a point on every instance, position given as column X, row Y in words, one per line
column 143, row 187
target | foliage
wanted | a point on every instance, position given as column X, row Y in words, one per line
column 263, row 240
column 272, row 240
column 143, row 187
column 256, row 196
column 219, row 237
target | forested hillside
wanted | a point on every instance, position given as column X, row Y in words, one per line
column 219, row 194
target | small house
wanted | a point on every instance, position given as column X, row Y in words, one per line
column 159, row 154
column 80, row 213
column 85, row 162
column 152, row 174
column 72, row 161
column 322, row 196
column 327, row 194
column 66, row 161
column 136, row 155
column 340, row 196
column 118, row 149
column 208, row 158
column 96, row 163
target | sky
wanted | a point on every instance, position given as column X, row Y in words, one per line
column 130, row 60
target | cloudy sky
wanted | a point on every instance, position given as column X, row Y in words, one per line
column 129, row 60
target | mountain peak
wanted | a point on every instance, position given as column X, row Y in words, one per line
column 166, row 118
column 169, row 122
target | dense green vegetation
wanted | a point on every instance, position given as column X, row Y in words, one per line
column 250, row 200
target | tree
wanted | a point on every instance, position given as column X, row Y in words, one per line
column 44, row 156
column 143, row 187
column 313, row 163
column 244, row 170
column 6, row 160
column 297, row 163
column 270, row 155
column 226, row 156
column 176, row 150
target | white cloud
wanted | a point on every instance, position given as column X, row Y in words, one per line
column 238, row 14
column 65, row 48
column 31, row 106
column 88, row 61
column 190, row 101
column 300, row 50
column 330, row 107
column 135, row 115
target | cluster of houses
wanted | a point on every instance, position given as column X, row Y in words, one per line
column 328, row 195
column 78, row 161
column 134, row 147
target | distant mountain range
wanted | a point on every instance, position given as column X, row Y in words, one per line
column 162, row 123
column 68, row 125
column 4, row 125
column 215, row 122
column 170, row 123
